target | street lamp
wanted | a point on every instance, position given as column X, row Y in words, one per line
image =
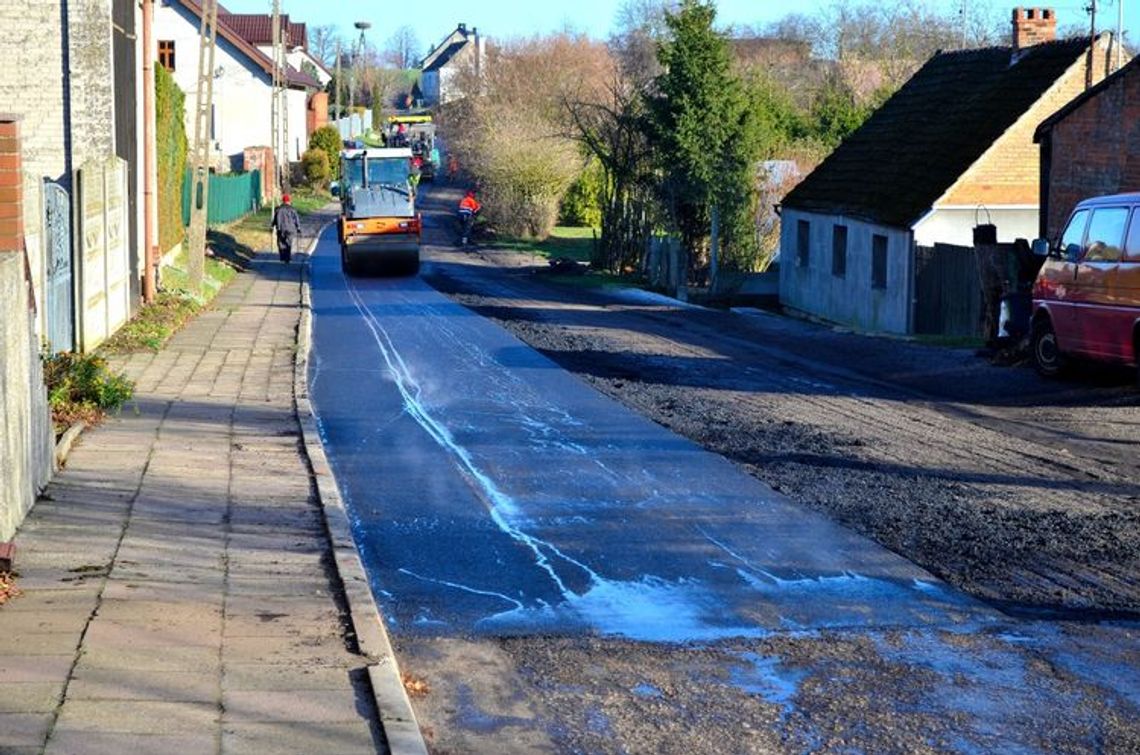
column 362, row 25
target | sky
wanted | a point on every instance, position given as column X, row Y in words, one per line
column 513, row 18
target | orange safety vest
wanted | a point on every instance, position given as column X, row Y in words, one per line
column 470, row 203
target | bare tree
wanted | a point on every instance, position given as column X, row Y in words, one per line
column 639, row 26
column 403, row 49
column 323, row 42
column 509, row 128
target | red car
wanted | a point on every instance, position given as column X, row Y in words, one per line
column 1086, row 299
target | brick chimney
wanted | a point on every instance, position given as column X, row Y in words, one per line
column 1032, row 26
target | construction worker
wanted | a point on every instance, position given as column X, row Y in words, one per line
column 287, row 224
column 469, row 207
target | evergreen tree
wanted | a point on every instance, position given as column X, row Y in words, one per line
column 707, row 135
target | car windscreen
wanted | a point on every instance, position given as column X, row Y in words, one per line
column 354, row 171
column 388, row 170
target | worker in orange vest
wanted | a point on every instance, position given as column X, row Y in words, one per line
column 469, row 203
column 468, row 208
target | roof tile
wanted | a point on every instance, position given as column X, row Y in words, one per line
column 913, row 148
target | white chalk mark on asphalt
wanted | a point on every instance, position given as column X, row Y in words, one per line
column 487, row 593
column 499, row 503
column 649, row 608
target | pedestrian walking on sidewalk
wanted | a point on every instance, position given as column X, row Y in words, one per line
column 287, row 224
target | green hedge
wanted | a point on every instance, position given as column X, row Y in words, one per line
column 170, row 137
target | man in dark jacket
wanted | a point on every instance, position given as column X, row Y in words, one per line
column 287, row 224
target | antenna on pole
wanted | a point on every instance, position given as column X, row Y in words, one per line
column 200, row 158
column 964, row 17
column 1119, row 34
column 1091, row 9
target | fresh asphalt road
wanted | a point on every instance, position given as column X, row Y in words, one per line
column 494, row 494
column 563, row 575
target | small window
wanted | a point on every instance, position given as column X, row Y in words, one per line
column 1132, row 245
column 803, row 242
column 1106, row 235
column 1075, row 230
column 878, row 261
column 839, row 251
column 166, row 54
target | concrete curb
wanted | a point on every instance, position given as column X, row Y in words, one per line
column 396, row 714
column 66, row 441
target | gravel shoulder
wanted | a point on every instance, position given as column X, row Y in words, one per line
column 1019, row 491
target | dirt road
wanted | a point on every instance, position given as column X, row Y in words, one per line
column 1019, row 491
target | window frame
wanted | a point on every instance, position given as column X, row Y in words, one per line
column 167, row 52
column 1086, row 247
column 879, row 269
column 1132, row 254
column 1084, row 229
column 839, row 232
column 803, row 243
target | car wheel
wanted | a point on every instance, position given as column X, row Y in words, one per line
column 1047, row 356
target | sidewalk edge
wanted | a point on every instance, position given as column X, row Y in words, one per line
column 396, row 714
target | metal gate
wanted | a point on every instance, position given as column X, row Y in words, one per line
column 59, row 309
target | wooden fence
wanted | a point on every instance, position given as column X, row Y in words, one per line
column 947, row 291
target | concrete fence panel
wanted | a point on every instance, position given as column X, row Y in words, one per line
column 26, row 437
column 102, row 234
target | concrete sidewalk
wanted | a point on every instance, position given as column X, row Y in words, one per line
column 179, row 593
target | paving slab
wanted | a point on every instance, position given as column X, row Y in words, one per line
column 134, row 743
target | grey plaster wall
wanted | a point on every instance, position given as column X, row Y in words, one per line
column 26, row 435
column 849, row 299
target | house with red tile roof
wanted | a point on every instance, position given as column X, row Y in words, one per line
column 952, row 149
column 257, row 29
column 243, row 82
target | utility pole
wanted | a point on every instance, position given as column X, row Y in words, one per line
column 150, row 160
column 280, row 109
column 1091, row 8
column 200, row 158
column 339, row 86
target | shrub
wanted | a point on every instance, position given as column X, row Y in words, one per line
column 582, row 204
column 315, row 165
column 327, row 139
column 170, row 142
column 81, row 386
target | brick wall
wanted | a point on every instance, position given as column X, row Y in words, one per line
column 1032, row 26
column 1010, row 171
column 318, row 113
column 11, row 185
column 1096, row 149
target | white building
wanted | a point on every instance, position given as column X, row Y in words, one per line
column 951, row 150
column 243, row 84
column 459, row 50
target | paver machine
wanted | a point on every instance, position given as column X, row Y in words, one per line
column 417, row 132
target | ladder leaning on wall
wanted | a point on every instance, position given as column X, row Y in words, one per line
column 200, row 149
